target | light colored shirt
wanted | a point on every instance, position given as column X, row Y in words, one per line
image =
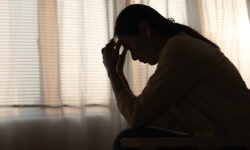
column 195, row 89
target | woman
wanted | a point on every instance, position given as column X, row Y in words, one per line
column 195, row 89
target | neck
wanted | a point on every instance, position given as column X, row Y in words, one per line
column 159, row 42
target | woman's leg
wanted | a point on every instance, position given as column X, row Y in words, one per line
column 142, row 133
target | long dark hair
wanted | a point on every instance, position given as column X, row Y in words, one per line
column 128, row 19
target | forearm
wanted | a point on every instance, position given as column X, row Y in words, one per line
column 119, row 83
column 125, row 82
column 123, row 94
column 114, row 64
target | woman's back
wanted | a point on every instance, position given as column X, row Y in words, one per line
column 216, row 101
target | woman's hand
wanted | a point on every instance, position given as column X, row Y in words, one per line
column 121, row 61
column 111, row 58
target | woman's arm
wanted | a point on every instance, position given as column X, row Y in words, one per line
column 114, row 65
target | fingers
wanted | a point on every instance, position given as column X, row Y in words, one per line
column 112, row 46
column 103, row 50
column 118, row 46
column 124, row 52
column 112, row 42
column 123, row 56
column 108, row 47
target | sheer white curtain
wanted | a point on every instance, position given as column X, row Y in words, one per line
column 52, row 75
column 50, row 60
column 227, row 23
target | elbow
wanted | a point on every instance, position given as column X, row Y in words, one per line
column 133, row 113
column 137, row 119
column 137, row 124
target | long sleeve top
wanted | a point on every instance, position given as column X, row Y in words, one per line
column 195, row 89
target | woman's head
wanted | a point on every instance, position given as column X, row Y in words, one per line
column 128, row 19
column 144, row 31
column 139, row 28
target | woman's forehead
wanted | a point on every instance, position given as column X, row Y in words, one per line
column 124, row 41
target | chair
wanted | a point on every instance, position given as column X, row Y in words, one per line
column 224, row 143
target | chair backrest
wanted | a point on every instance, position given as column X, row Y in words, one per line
column 242, row 143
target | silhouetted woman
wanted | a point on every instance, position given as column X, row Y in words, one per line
column 195, row 89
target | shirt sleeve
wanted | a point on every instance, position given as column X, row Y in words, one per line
column 173, row 78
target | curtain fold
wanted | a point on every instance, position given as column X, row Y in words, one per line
column 49, row 52
column 248, row 7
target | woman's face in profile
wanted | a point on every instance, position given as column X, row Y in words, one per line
column 139, row 48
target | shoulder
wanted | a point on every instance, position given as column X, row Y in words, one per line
column 176, row 38
column 180, row 41
column 184, row 47
column 176, row 45
column 188, row 45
